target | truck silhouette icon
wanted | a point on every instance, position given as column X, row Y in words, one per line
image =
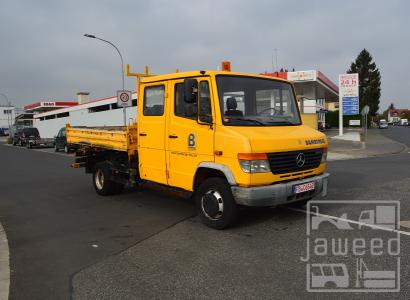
column 328, row 275
column 384, row 216
column 373, row 279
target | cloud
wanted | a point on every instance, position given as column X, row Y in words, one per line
column 44, row 55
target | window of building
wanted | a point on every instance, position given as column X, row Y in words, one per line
column 99, row 108
column 154, row 97
column 7, row 111
column 63, row 115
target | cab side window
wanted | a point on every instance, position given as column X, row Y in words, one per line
column 183, row 109
column 154, row 97
column 205, row 110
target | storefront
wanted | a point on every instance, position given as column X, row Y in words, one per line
column 314, row 91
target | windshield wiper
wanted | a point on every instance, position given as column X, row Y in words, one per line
column 249, row 120
column 281, row 122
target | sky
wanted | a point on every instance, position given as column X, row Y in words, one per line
column 45, row 57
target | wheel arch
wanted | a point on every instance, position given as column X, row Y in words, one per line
column 210, row 169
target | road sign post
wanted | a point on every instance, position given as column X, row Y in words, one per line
column 364, row 113
column 348, row 97
column 124, row 100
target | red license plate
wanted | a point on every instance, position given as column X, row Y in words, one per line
column 300, row 188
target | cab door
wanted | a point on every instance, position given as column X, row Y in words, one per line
column 188, row 142
column 151, row 133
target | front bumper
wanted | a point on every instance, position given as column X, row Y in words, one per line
column 281, row 193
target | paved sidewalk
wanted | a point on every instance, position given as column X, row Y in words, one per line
column 377, row 144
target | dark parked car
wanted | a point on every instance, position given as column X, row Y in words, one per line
column 60, row 142
column 17, row 137
column 2, row 132
column 27, row 135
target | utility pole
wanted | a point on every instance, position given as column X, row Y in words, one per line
column 122, row 67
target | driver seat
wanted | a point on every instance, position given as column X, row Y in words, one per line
column 231, row 106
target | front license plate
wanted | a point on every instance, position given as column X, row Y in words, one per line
column 300, row 188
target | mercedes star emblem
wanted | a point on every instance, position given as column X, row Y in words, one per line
column 300, row 160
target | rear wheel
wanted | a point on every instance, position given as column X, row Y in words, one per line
column 102, row 183
column 55, row 148
column 215, row 203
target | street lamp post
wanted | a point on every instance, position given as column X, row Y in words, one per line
column 9, row 112
column 122, row 67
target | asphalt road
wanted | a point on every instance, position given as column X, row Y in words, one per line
column 56, row 224
column 398, row 133
column 66, row 241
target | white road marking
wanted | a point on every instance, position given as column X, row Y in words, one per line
column 53, row 152
column 405, row 224
column 4, row 265
column 44, row 150
column 350, row 221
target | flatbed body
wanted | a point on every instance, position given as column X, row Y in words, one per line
column 117, row 138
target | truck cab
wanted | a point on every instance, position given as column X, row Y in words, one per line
column 229, row 138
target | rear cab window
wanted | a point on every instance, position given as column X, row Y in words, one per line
column 154, row 97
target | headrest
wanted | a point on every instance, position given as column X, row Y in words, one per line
column 231, row 103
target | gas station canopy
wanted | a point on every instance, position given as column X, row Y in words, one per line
column 311, row 84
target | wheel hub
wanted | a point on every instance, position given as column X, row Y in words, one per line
column 99, row 179
column 212, row 204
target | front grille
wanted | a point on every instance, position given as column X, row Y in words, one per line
column 285, row 162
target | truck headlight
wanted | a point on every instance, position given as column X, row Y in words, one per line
column 254, row 162
column 324, row 156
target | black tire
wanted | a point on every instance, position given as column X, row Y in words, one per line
column 66, row 149
column 215, row 203
column 29, row 146
column 20, row 143
column 55, row 148
column 102, row 184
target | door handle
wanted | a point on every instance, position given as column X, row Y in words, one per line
column 173, row 136
column 142, row 134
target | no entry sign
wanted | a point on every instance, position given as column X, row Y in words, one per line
column 124, row 98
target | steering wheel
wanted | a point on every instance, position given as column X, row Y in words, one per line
column 275, row 112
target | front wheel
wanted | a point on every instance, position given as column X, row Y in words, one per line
column 215, row 203
column 103, row 185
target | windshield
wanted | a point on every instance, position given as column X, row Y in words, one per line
column 249, row 101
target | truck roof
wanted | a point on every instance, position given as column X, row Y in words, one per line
column 181, row 75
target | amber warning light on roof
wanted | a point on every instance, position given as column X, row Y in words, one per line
column 226, row 66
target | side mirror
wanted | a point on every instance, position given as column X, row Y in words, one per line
column 205, row 119
column 190, row 90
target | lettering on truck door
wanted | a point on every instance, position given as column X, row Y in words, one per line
column 188, row 142
column 151, row 134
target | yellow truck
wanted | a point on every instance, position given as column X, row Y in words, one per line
column 231, row 139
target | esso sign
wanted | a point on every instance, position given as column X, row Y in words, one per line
column 124, row 98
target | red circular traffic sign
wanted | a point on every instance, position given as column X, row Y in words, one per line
column 124, row 97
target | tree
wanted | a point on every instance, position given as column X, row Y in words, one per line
column 369, row 81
